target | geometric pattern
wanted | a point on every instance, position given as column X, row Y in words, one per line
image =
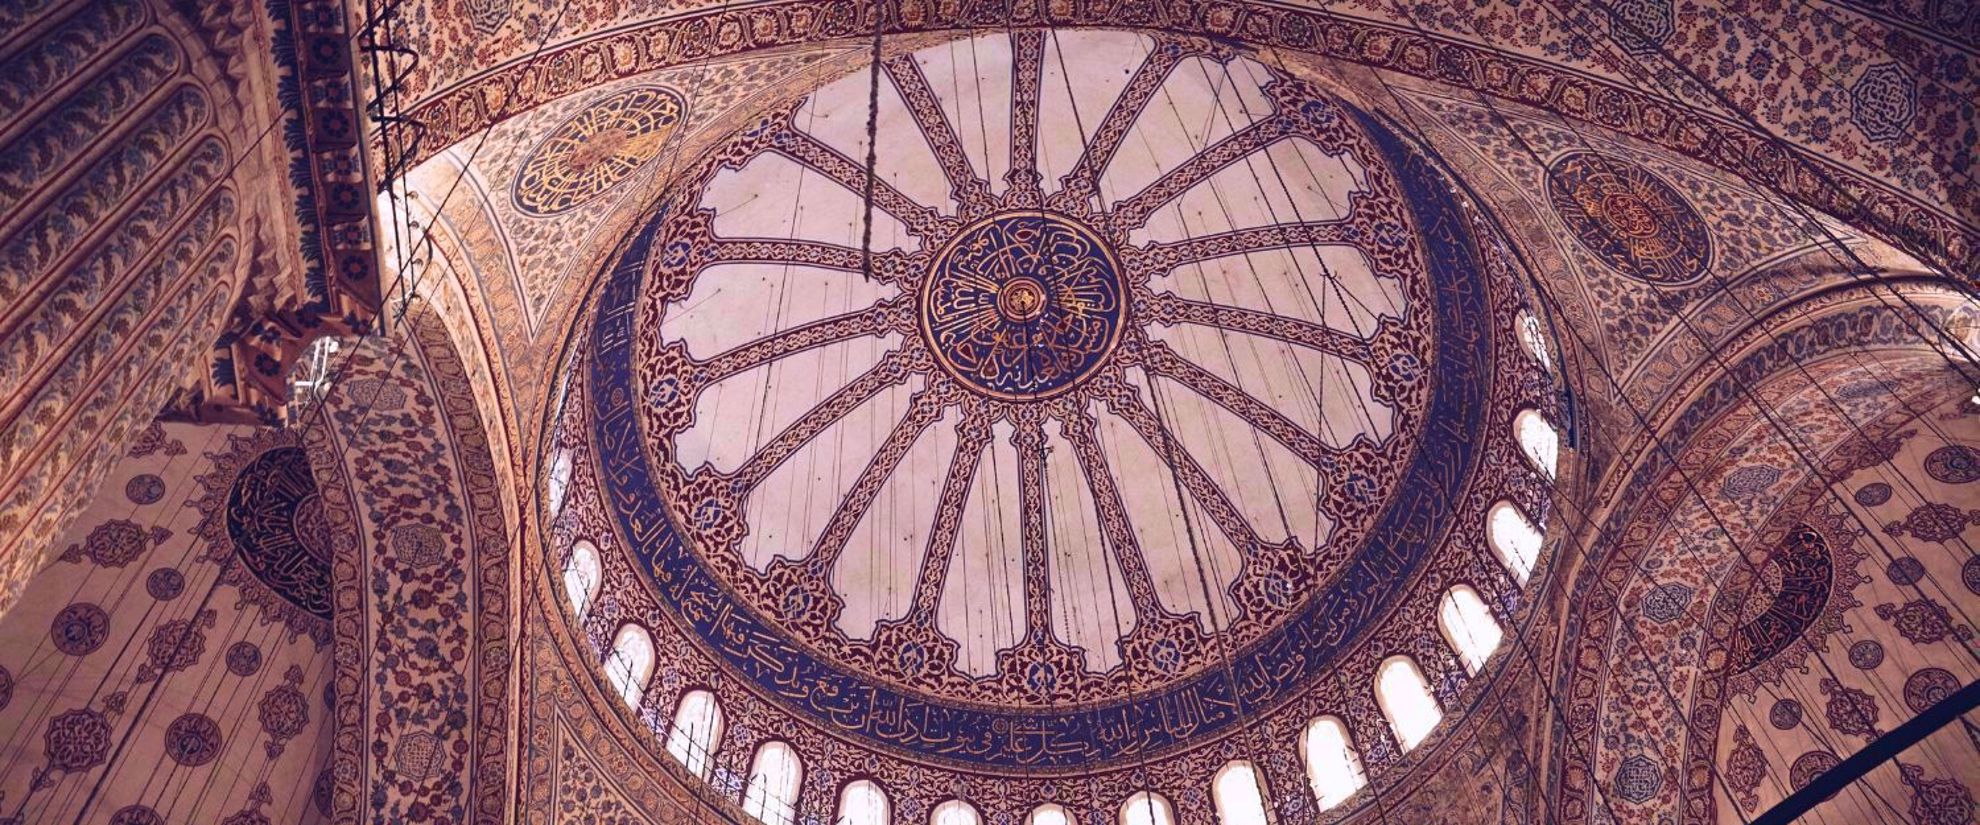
column 1882, row 101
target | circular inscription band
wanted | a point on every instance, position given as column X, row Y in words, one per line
column 1023, row 306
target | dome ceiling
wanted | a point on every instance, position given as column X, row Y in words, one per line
column 1168, row 380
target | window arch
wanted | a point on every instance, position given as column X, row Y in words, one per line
column 1514, row 539
column 1240, row 795
column 630, row 664
column 1406, row 701
column 1048, row 814
column 1538, row 440
column 1147, row 808
column 774, row 777
column 1534, row 339
column 1333, row 767
column 863, row 803
column 582, row 576
column 696, row 731
column 560, row 480
column 955, row 812
column 1468, row 626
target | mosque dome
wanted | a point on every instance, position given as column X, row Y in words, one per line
column 1155, row 389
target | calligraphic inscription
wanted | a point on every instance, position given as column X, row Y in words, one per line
column 275, row 519
column 1005, row 273
column 1800, row 575
column 597, row 148
column 1629, row 218
column 1023, row 305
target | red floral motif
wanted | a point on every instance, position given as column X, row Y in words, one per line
column 1923, row 621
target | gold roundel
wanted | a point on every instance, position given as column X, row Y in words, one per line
column 1023, row 305
column 597, row 148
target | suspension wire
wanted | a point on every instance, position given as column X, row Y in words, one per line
column 1879, row 686
column 1855, row 266
column 104, row 679
column 1684, row 477
column 1719, row 360
column 1141, row 784
column 1856, row 272
column 1305, row 382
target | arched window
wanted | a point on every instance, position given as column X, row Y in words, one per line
column 774, row 775
column 630, row 663
column 560, row 480
column 1534, row 339
column 955, row 812
column 1048, row 814
column 1239, row 795
column 863, row 803
column 1469, row 627
column 1332, row 766
column 582, row 576
column 1147, row 808
column 1514, row 539
column 1405, row 699
column 1538, row 440
column 696, row 731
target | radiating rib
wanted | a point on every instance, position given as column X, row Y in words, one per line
column 892, row 369
column 1158, row 359
column 1169, row 309
column 1030, row 443
column 1133, row 211
column 1027, row 75
column 974, row 430
column 891, row 315
column 970, row 190
column 1084, row 180
column 1079, row 431
column 923, row 409
column 889, row 265
column 1124, row 400
column 922, row 221
column 1165, row 256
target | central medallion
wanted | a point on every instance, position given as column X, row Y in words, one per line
column 1023, row 305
